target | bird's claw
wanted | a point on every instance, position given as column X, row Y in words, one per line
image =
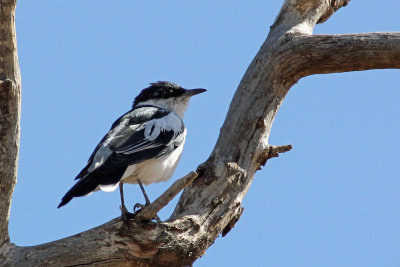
column 138, row 207
column 158, row 219
column 126, row 214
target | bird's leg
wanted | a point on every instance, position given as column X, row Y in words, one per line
column 121, row 192
column 138, row 205
column 144, row 193
column 147, row 201
column 124, row 210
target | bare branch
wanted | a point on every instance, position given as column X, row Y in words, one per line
column 300, row 16
column 150, row 211
column 10, row 86
column 334, row 6
column 316, row 54
column 272, row 152
column 211, row 204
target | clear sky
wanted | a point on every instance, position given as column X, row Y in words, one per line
column 332, row 201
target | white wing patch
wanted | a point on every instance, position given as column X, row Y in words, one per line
column 151, row 131
column 154, row 127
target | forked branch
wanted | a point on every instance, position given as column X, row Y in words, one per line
column 211, row 204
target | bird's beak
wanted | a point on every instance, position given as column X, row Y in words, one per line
column 192, row 92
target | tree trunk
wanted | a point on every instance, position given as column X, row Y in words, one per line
column 10, row 109
column 212, row 203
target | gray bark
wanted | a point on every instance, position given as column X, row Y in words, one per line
column 10, row 109
column 212, row 203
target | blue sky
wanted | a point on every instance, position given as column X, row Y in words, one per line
column 332, row 201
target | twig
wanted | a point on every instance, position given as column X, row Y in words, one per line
column 272, row 152
column 150, row 211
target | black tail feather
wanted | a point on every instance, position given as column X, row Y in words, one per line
column 83, row 187
column 67, row 198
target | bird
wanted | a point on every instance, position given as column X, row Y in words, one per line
column 143, row 146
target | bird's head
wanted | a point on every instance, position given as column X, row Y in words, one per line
column 166, row 95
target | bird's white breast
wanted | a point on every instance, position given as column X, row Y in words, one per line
column 154, row 170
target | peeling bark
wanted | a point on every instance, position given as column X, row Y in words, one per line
column 212, row 203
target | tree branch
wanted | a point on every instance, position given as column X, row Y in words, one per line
column 318, row 54
column 150, row 211
column 10, row 86
column 211, row 204
column 301, row 15
column 334, row 6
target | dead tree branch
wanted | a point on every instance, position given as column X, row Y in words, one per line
column 319, row 54
column 212, row 203
column 10, row 109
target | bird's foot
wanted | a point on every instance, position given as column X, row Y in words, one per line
column 125, row 214
column 138, row 207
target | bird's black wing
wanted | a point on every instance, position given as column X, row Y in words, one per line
column 141, row 134
column 136, row 148
column 122, row 129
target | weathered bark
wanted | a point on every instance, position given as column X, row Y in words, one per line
column 10, row 86
column 212, row 203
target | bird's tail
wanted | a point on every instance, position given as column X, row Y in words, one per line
column 83, row 187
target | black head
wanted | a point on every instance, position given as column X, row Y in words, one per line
column 164, row 90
